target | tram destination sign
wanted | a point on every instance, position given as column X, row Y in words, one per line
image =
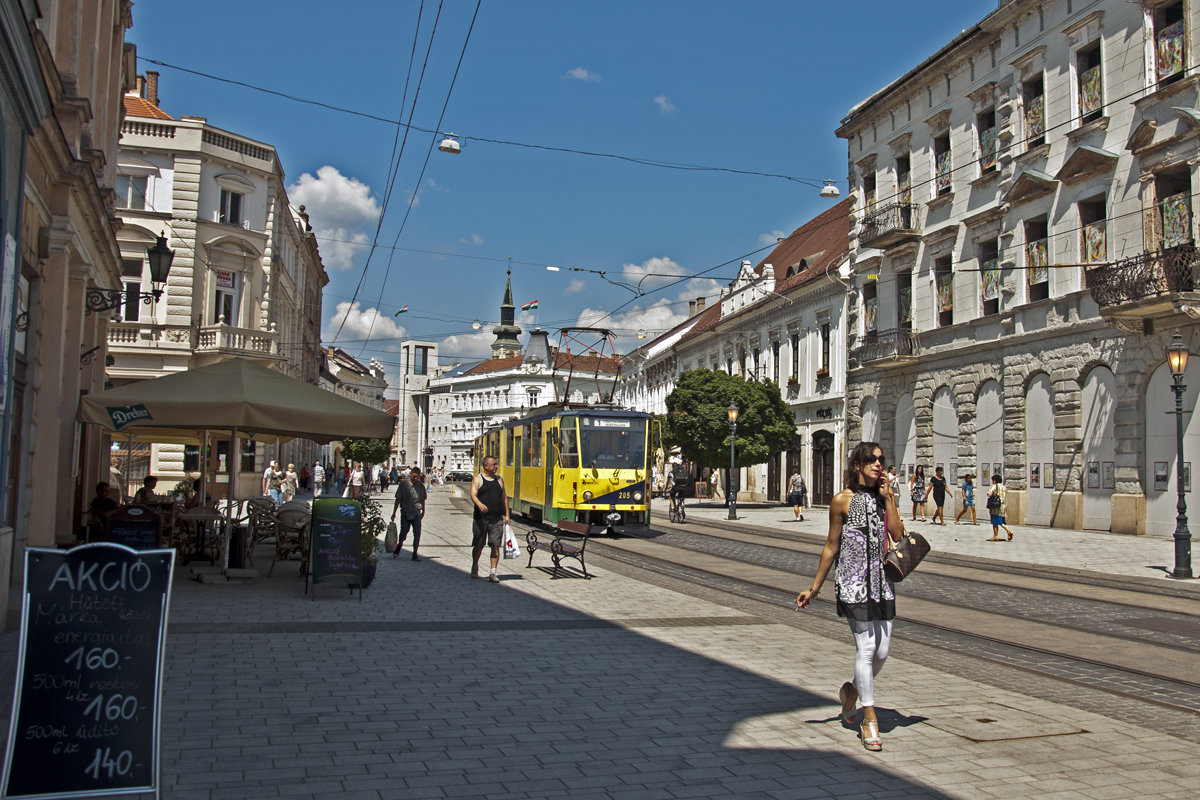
column 86, row 705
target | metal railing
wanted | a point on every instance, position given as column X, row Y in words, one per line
column 892, row 218
column 1145, row 276
column 891, row 343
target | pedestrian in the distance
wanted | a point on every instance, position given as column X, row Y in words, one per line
column 275, row 482
column 410, row 502
column 918, row 492
column 939, row 490
column 491, row 515
column 997, row 498
column 318, row 476
column 968, row 494
column 894, row 479
column 358, row 481
column 795, row 496
column 305, row 477
column 862, row 518
column 291, row 482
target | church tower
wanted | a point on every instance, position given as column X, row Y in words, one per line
column 506, row 344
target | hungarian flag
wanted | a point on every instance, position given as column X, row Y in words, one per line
column 401, row 311
column 530, row 306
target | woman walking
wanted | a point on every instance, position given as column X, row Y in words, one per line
column 290, row 483
column 968, row 493
column 357, row 481
column 862, row 517
column 997, row 497
column 918, row 493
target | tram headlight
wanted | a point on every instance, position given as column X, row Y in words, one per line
column 587, row 495
column 637, row 497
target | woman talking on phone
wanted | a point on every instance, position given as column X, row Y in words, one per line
column 860, row 517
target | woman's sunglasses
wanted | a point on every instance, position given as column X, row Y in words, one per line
column 869, row 460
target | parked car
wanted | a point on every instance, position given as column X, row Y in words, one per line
column 459, row 475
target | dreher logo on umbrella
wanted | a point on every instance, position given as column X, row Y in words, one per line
column 125, row 415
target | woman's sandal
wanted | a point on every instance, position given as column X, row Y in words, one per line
column 870, row 736
column 849, row 697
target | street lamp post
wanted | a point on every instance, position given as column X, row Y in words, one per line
column 733, row 415
column 1177, row 358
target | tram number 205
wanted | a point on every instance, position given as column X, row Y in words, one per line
column 625, row 496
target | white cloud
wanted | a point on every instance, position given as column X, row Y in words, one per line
column 771, row 238
column 474, row 239
column 652, row 272
column 576, row 286
column 360, row 322
column 582, row 75
column 339, row 208
column 664, row 105
column 466, row 346
column 435, row 186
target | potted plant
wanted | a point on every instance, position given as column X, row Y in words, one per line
column 374, row 525
column 823, row 372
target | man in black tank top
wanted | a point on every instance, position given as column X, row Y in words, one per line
column 491, row 515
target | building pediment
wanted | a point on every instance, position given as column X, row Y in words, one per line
column 1142, row 135
column 1030, row 184
column 1084, row 162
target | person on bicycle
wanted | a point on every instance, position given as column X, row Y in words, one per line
column 677, row 488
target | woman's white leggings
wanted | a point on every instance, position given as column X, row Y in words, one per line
column 871, row 640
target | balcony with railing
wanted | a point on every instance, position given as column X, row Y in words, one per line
column 209, row 340
column 890, row 225
column 1156, row 284
column 896, row 345
column 230, row 340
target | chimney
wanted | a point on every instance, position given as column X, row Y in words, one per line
column 691, row 308
column 151, row 93
column 140, row 86
column 699, row 304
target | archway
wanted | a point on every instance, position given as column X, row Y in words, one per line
column 1162, row 450
column 870, row 420
column 1099, row 448
column 1039, row 434
column 945, row 431
column 905, row 449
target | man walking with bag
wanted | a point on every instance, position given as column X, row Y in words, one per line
column 410, row 501
column 491, row 515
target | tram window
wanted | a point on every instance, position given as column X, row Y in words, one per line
column 535, row 444
column 613, row 443
column 508, row 446
column 526, row 446
column 568, row 455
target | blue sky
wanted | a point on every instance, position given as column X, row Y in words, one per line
column 758, row 87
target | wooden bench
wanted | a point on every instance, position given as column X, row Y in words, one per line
column 570, row 541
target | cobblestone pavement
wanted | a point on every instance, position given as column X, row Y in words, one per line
column 439, row 686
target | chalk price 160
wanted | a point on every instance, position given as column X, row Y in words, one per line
column 93, row 658
column 118, row 706
column 104, row 761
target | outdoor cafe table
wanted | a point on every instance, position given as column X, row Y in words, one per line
column 201, row 516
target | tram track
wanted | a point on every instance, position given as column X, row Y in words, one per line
column 1109, row 663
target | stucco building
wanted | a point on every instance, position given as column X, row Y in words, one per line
column 1023, row 249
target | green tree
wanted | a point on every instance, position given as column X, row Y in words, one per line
column 699, row 422
column 368, row 451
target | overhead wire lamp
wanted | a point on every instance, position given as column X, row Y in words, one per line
column 161, row 256
column 450, row 144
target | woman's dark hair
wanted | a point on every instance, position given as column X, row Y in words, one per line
column 996, row 478
column 920, row 471
column 861, row 453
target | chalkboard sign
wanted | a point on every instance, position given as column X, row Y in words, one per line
column 336, row 546
column 85, row 717
column 134, row 526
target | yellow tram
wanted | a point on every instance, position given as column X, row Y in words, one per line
column 574, row 462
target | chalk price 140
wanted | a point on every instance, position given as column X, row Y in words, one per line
column 118, row 706
column 104, row 761
column 93, row 658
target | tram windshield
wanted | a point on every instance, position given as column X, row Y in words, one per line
column 612, row 442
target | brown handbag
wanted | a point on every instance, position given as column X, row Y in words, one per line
column 904, row 556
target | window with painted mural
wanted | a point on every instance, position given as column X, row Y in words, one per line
column 904, row 180
column 1092, row 245
column 989, row 273
column 1037, row 259
column 870, row 306
column 1091, row 83
column 941, row 156
column 904, row 300
column 943, row 279
column 1170, row 42
column 1033, row 96
column 1175, row 206
column 985, row 126
column 868, row 185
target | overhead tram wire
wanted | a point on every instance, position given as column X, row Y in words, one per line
column 394, row 162
column 428, row 153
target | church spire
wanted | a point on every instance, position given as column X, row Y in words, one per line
column 507, row 344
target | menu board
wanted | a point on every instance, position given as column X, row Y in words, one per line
column 336, row 549
column 86, row 705
column 134, row 526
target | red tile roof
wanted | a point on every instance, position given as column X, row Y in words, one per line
column 816, row 246
column 391, row 407
column 141, row 107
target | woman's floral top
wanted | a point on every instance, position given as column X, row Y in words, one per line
column 863, row 590
column 918, row 489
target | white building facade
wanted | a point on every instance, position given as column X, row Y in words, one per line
column 1023, row 248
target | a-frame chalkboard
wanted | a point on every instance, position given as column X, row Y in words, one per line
column 335, row 546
